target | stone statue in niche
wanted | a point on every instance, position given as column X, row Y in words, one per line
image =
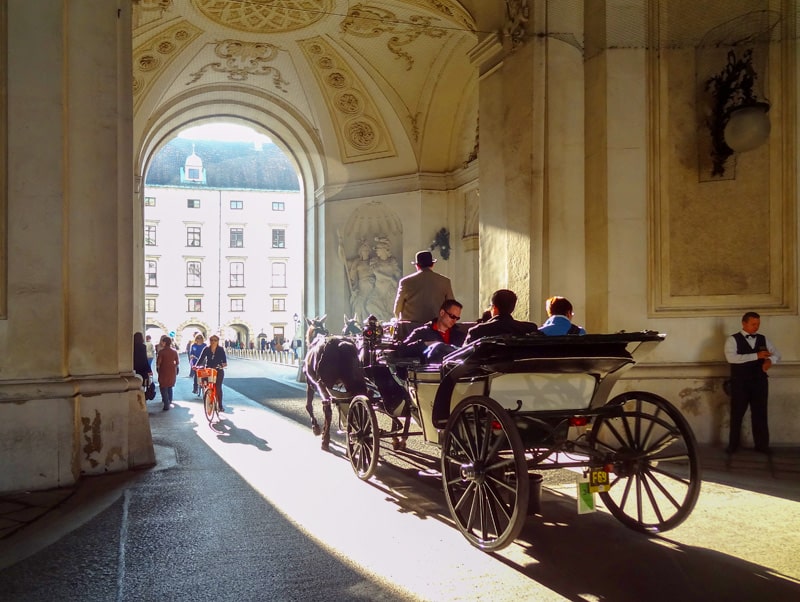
column 361, row 277
column 387, row 274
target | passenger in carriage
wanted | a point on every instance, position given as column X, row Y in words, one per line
column 432, row 341
column 559, row 321
column 503, row 302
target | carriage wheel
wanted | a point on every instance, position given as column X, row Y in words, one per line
column 484, row 473
column 208, row 405
column 656, row 477
column 363, row 442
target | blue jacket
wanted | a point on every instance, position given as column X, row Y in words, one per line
column 559, row 325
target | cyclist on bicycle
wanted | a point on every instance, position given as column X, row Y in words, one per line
column 214, row 356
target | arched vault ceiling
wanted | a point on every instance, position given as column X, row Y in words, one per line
column 376, row 79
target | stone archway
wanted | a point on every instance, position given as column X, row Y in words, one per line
column 289, row 130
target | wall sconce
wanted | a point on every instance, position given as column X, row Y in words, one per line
column 738, row 120
column 442, row 240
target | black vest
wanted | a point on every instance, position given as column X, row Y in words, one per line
column 749, row 369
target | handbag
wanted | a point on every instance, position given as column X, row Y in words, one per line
column 150, row 391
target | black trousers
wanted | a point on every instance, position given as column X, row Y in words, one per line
column 752, row 393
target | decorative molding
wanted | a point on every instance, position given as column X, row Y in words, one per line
column 701, row 260
column 152, row 57
column 149, row 11
column 275, row 16
column 451, row 10
column 243, row 59
column 371, row 21
column 361, row 131
column 515, row 28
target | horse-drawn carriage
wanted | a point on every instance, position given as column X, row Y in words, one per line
column 504, row 409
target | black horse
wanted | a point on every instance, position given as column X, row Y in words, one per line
column 330, row 362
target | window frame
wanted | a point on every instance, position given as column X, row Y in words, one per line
column 196, row 276
column 240, row 238
column 236, row 279
column 150, row 276
column 278, row 238
column 190, row 239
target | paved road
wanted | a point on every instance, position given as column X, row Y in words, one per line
column 253, row 510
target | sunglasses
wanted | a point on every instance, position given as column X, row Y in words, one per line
column 452, row 317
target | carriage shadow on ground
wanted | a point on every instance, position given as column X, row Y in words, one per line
column 580, row 557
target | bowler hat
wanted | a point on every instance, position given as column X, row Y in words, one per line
column 424, row 259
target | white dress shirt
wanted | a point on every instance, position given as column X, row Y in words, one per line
column 735, row 358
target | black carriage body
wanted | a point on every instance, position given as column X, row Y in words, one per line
column 506, row 406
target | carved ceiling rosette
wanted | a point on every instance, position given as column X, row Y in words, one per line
column 361, row 131
column 275, row 16
column 152, row 57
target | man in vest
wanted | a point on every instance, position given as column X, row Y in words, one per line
column 750, row 356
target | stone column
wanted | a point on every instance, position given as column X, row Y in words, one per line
column 69, row 403
column 512, row 112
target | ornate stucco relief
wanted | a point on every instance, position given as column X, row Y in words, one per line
column 149, row 11
column 517, row 15
column 451, row 10
column 361, row 131
column 151, row 58
column 367, row 248
column 370, row 21
column 242, row 59
column 275, row 16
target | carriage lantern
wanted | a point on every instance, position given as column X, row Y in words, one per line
column 374, row 330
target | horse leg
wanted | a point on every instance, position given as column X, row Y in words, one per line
column 310, row 408
column 326, row 427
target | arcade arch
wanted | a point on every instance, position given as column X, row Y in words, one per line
column 290, row 131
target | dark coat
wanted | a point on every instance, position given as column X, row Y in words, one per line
column 140, row 363
column 500, row 325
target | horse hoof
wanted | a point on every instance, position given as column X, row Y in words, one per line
column 325, row 446
column 316, row 430
column 398, row 444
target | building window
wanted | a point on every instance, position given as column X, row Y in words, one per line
column 279, row 238
column 194, row 173
column 193, row 203
column 237, row 304
column 237, row 238
column 237, row 204
column 279, row 275
column 279, row 305
column 150, row 304
column 151, row 273
column 149, row 201
column 149, row 235
column 193, row 274
column 195, row 304
column 193, row 236
column 237, row 274
column 278, row 206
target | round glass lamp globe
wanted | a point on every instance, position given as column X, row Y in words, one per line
column 747, row 128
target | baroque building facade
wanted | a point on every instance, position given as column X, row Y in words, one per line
column 577, row 148
column 222, row 251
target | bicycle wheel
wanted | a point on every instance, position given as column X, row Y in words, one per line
column 209, row 403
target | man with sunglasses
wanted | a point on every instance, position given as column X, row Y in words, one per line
column 432, row 341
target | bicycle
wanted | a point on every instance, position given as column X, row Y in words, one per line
column 207, row 379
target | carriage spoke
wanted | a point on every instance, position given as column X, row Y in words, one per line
column 656, row 480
